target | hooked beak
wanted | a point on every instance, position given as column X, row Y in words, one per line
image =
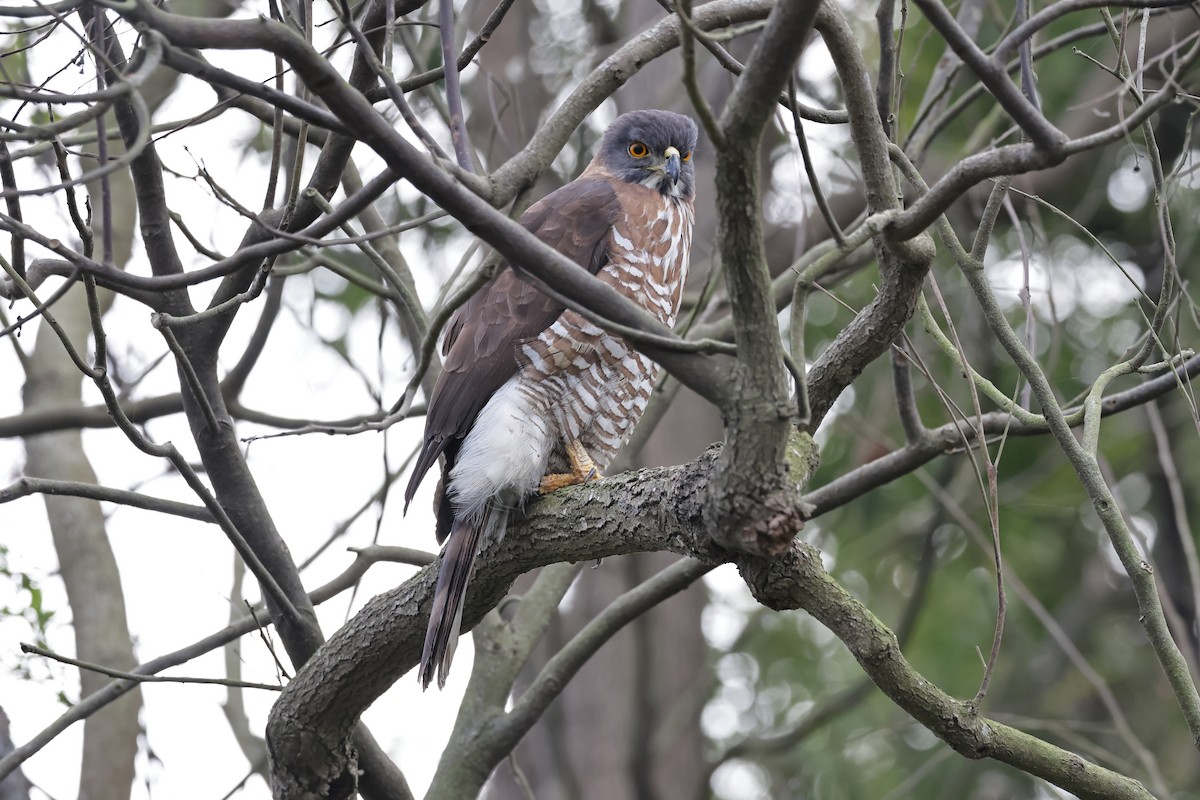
column 672, row 166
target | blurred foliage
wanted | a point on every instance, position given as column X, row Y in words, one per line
column 1085, row 315
column 28, row 607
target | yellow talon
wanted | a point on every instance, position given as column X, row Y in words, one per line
column 583, row 469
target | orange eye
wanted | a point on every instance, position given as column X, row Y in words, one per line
column 686, row 156
column 638, row 150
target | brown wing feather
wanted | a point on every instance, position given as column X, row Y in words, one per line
column 481, row 337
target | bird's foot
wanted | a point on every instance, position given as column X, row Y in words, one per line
column 561, row 480
column 583, row 469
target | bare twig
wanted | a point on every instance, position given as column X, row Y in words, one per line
column 688, row 33
column 26, row 486
column 458, row 123
column 131, row 676
column 814, row 182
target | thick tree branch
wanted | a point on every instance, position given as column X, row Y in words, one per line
column 752, row 505
column 808, row 586
column 650, row 510
column 903, row 263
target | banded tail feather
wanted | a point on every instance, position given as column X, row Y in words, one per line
column 458, row 564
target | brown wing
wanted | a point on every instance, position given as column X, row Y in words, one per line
column 481, row 337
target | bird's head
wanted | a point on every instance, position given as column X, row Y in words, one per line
column 653, row 148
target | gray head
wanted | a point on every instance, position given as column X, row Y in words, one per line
column 653, row 148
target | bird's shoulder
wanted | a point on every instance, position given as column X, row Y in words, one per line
column 574, row 220
column 483, row 334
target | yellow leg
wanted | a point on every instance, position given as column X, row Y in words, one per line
column 583, row 469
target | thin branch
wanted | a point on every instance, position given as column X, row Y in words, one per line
column 885, row 22
column 196, row 66
column 906, row 399
column 458, row 124
column 796, row 348
column 41, row 9
column 810, row 170
column 26, row 486
column 31, row 649
column 8, row 180
column 949, row 438
column 688, row 33
column 158, row 321
column 1045, row 137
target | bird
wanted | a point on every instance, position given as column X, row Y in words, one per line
column 534, row 397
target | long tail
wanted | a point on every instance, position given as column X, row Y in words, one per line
column 445, row 618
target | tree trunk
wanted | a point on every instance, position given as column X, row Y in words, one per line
column 89, row 569
column 15, row 786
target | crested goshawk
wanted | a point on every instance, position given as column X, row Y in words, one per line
column 529, row 387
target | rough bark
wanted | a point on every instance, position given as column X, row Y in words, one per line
column 752, row 506
column 649, row 510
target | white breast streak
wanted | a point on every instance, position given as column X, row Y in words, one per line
column 505, row 453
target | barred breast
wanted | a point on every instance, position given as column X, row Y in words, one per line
column 592, row 385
